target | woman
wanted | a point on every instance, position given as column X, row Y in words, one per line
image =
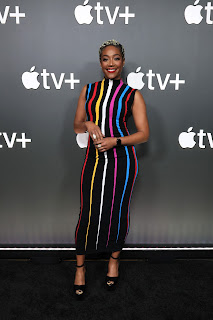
column 110, row 167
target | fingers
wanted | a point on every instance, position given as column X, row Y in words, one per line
column 97, row 138
column 99, row 144
column 97, row 135
column 101, row 149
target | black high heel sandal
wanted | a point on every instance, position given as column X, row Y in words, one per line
column 111, row 282
column 80, row 287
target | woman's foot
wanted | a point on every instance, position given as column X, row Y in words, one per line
column 79, row 279
column 113, row 272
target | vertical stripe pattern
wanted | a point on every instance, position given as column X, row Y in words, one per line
column 107, row 178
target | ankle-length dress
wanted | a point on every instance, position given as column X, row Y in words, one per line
column 107, row 178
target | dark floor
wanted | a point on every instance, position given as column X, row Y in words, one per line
column 167, row 291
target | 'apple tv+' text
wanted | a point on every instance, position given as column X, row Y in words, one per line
column 134, row 80
column 30, row 81
column 186, row 139
column 10, row 141
column 83, row 13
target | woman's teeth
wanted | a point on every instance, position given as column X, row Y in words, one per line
column 111, row 70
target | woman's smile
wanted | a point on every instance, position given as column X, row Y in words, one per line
column 111, row 70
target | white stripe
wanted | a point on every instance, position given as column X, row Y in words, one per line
column 105, row 153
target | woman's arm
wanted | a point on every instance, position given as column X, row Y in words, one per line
column 81, row 124
column 141, row 122
column 80, row 115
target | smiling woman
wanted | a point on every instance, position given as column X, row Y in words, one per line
column 110, row 167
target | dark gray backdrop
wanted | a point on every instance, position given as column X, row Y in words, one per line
column 40, row 185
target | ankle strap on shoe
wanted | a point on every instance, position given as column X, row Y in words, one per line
column 80, row 266
column 114, row 257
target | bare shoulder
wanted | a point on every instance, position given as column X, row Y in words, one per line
column 138, row 95
column 84, row 89
column 83, row 92
column 138, row 100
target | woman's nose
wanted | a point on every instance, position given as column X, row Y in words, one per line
column 111, row 62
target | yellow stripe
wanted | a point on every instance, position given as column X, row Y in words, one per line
column 97, row 108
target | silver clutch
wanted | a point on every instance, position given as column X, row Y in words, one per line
column 82, row 139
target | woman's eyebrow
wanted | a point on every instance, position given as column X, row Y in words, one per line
column 117, row 54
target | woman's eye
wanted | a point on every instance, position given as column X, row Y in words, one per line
column 104, row 59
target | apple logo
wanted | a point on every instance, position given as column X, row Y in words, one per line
column 82, row 13
column 29, row 79
column 186, row 139
column 192, row 13
column 134, row 79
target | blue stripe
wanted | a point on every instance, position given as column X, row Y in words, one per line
column 132, row 189
column 90, row 85
column 127, row 152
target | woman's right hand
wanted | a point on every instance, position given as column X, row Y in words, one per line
column 92, row 128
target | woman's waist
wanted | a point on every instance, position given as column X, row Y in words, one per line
column 115, row 152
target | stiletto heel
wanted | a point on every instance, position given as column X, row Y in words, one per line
column 111, row 282
column 80, row 287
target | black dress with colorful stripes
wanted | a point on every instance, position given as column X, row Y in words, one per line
column 107, row 178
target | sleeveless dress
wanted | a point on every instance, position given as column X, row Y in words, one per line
column 107, row 178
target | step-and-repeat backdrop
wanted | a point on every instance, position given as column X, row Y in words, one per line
column 49, row 51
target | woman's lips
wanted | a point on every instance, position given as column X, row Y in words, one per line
column 111, row 70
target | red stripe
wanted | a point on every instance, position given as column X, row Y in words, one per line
column 91, row 117
column 91, row 100
column 82, row 191
column 124, row 117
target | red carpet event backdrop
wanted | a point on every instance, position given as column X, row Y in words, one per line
column 49, row 51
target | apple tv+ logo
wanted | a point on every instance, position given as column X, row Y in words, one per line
column 186, row 139
column 17, row 15
column 10, row 141
column 192, row 13
column 83, row 14
column 30, row 81
column 135, row 80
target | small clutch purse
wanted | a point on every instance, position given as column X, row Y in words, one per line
column 82, row 139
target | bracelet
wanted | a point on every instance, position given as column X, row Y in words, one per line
column 118, row 142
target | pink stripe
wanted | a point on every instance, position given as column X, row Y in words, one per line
column 135, row 158
column 114, row 149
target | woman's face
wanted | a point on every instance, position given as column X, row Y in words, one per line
column 111, row 59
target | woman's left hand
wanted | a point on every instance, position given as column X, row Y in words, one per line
column 106, row 143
